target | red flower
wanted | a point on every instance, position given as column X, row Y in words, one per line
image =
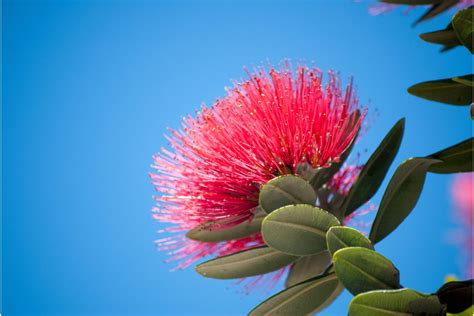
column 265, row 127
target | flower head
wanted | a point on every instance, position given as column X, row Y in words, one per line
column 266, row 126
column 461, row 192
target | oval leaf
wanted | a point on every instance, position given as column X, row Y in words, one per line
column 400, row 197
column 286, row 190
column 444, row 91
column 302, row 299
column 466, row 80
column 436, row 9
column 361, row 270
column 339, row 237
column 245, row 263
column 216, row 231
column 456, row 295
column 401, row 302
column 457, row 158
column 374, row 171
column 446, row 37
column 308, row 267
column 298, row 229
column 463, row 26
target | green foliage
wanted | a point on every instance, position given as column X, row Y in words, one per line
column 339, row 237
column 374, row 170
column 245, row 263
column 303, row 298
column 286, row 190
column 298, row 229
column 446, row 37
column 448, row 91
column 436, row 9
column 457, row 158
column 308, row 267
column 457, row 295
column 401, row 302
column 361, row 270
column 464, row 28
column 400, row 197
column 216, row 231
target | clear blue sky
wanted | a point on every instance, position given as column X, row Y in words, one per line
column 88, row 90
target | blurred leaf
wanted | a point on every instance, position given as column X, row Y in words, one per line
column 308, row 267
column 298, row 229
column 446, row 37
column 400, row 197
column 466, row 80
column 457, row 295
column 463, row 26
column 286, row 190
column 395, row 302
column 304, row 298
column 361, row 270
column 411, row 2
column 445, row 91
column 339, row 237
column 457, row 158
column 467, row 312
column 245, row 263
column 216, row 231
column 436, row 9
column 374, row 170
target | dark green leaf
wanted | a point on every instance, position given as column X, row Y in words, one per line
column 374, row 170
column 436, row 9
column 286, row 190
column 216, row 231
column 302, row 299
column 456, row 295
column 401, row 302
column 298, row 229
column 446, row 37
column 361, row 270
column 400, row 197
column 339, row 237
column 245, row 263
column 444, row 91
column 308, row 267
column 457, row 158
column 463, row 26
column 466, row 80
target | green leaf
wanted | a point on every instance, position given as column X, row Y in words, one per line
column 216, row 231
column 339, row 237
column 457, row 295
column 457, row 158
column 446, row 37
column 374, row 171
column 286, row 190
column 445, row 91
column 466, row 80
column 412, row 2
column 436, row 9
column 298, row 229
column 302, row 299
column 464, row 28
column 308, row 267
column 361, row 270
column 403, row 302
column 245, row 264
column 400, row 197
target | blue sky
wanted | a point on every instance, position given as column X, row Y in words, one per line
column 89, row 88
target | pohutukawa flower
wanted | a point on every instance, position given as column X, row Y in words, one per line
column 380, row 8
column 266, row 126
